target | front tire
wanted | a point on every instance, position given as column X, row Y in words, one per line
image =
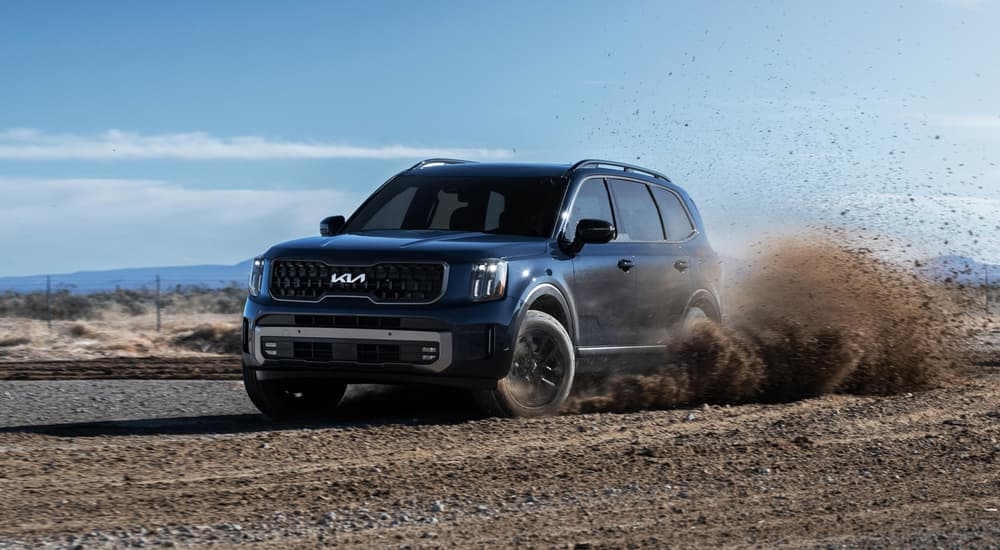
column 289, row 399
column 541, row 372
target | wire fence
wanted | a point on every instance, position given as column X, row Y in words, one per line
column 145, row 300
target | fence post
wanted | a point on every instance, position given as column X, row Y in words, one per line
column 157, row 303
column 988, row 289
column 48, row 300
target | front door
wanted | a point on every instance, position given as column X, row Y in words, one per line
column 603, row 283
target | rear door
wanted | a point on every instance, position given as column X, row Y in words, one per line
column 602, row 291
column 661, row 267
column 679, row 229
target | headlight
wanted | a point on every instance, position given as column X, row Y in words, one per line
column 256, row 276
column 489, row 280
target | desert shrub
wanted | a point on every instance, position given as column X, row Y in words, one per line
column 12, row 341
column 212, row 338
column 132, row 302
column 81, row 331
column 197, row 299
column 61, row 303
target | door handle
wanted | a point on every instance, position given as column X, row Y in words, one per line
column 625, row 264
column 681, row 265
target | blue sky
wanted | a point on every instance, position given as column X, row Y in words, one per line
column 138, row 134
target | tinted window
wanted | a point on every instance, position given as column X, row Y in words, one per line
column 494, row 208
column 448, row 206
column 591, row 202
column 675, row 218
column 509, row 206
column 640, row 221
column 392, row 210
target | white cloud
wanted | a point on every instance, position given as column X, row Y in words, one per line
column 31, row 144
column 65, row 225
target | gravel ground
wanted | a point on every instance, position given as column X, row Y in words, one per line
column 396, row 470
column 24, row 403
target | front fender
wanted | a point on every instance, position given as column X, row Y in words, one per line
column 550, row 289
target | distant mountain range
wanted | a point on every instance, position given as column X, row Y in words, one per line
column 209, row 276
column 956, row 269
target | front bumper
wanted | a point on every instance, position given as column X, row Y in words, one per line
column 379, row 346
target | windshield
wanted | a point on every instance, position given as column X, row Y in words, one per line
column 507, row 206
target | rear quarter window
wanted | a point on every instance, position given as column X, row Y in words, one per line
column 675, row 217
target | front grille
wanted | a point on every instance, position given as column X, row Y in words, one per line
column 385, row 282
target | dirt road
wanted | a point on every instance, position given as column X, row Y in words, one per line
column 130, row 368
column 917, row 469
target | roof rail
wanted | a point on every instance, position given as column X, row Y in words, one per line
column 435, row 162
column 597, row 163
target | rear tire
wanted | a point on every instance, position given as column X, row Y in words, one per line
column 289, row 399
column 541, row 372
column 694, row 316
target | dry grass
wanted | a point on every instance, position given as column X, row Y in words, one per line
column 62, row 305
column 114, row 335
column 122, row 323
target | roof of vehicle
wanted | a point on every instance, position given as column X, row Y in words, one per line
column 490, row 169
column 460, row 168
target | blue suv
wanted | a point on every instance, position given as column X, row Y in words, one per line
column 506, row 279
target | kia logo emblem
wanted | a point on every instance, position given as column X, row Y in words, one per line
column 347, row 278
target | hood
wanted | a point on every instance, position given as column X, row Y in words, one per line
column 387, row 246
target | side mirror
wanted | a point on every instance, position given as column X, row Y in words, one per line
column 330, row 226
column 594, row 231
column 589, row 231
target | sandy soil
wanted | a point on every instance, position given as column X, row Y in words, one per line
column 913, row 469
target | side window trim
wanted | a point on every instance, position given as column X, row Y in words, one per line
column 564, row 224
column 659, row 213
column 611, row 203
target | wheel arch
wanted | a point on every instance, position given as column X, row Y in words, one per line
column 548, row 298
column 705, row 299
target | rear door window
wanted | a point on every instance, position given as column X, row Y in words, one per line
column 639, row 218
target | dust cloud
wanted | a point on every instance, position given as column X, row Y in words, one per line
column 809, row 316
